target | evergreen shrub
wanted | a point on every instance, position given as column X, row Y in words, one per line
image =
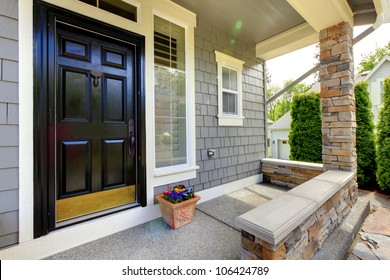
column 305, row 136
column 383, row 159
column 365, row 137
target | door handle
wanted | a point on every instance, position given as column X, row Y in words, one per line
column 130, row 128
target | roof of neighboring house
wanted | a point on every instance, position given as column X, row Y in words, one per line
column 283, row 123
column 380, row 63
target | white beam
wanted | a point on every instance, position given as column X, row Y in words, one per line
column 321, row 14
column 293, row 39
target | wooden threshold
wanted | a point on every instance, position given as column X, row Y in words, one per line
column 77, row 206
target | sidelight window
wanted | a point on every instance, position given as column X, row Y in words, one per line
column 170, row 94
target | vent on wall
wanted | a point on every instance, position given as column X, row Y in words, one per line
column 117, row 7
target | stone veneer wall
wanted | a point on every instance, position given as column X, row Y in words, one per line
column 238, row 149
column 289, row 173
column 338, row 98
column 307, row 238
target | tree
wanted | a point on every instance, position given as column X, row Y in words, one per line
column 365, row 137
column 282, row 105
column 305, row 136
column 369, row 61
column 383, row 159
column 271, row 107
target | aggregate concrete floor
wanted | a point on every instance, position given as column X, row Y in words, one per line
column 213, row 235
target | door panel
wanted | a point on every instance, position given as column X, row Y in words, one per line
column 114, row 99
column 95, row 98
column 114, row 163
column 76, row 168
column 88, row 89
column 75, row 94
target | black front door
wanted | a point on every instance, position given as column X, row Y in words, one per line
column 94, row 122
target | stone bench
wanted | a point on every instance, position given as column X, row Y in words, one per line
column 289, row 173
column 295, row 224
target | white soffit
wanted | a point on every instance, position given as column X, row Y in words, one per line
column 293, row 39
column 321, row 14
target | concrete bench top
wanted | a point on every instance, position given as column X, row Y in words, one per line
column 301, row 164
column 275, row 219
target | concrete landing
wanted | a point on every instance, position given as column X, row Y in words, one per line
column 211, row 236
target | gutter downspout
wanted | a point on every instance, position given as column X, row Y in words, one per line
column 381, row 18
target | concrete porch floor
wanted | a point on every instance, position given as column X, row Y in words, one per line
column 211, row 236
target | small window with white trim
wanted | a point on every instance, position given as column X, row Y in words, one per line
column 229, row 90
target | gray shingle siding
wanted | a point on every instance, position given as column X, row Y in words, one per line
column 238, row 150
column 9, row 120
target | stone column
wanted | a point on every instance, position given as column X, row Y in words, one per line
column 338, row 98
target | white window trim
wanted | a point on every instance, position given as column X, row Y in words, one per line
column 227, row 61
column 176, row 173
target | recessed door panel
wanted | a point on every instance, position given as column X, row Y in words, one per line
column 114, row 165
column 76, row 166
column 75, row 94
column 114, row 99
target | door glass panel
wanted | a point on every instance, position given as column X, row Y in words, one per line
column 75, row 95
column 114, row 100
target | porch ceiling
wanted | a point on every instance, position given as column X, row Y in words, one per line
column 280, row 26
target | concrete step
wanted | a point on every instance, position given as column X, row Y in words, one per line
column 337, row 246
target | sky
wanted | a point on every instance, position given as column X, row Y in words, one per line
column 300, row 61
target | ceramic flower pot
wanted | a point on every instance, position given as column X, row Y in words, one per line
column 177, row 214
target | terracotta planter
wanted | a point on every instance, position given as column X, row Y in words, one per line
column 179, row 214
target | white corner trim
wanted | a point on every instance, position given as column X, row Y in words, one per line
column 26, row 101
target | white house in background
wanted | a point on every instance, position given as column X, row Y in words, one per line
column 269, row 148
column 375, row 80
column 279, row 131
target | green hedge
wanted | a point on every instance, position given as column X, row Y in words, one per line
column 305, row 136
column 365, row 137
column 383, row 159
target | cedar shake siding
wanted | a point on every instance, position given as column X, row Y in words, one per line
column 9, row 120
column 238, row 149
